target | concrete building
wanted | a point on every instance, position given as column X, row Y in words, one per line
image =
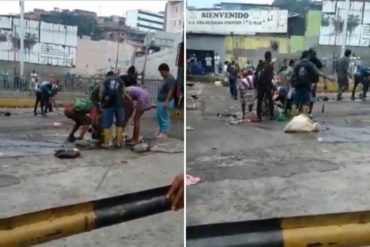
column 144, row 20
column 175, row 16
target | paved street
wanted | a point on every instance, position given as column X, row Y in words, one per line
column 32, row 179
column 255, row 171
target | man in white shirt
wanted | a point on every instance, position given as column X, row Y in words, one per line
column 209, row 64
column 218, row 68
column 33, row 80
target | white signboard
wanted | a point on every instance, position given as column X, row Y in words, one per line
column 237, row 22
column 358, row 30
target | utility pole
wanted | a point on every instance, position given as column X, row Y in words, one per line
column 117, row 54
column 148, row 40
column 21, row 36
column 345, row 25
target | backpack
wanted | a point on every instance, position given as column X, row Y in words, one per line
column 303, row 74
column 83, row 105
column 111, row 87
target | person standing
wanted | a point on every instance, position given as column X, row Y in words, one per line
column 217, row 59
column 165, row 101
column 111, row 96
column 233, row 72
column 343, row 73
column 304, row 74
column 209, row 64
column 39, row 97
column 33, row 78
column 317, row 62
column 265, row 75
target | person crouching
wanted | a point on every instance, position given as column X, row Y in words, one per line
column 81, row 119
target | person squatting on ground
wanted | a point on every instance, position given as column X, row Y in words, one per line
column 265, row 74
column 78, row 111
column 316, row 61
column 233, row 73
column 361, row 76
column 165, row 101
column 343, row 73
column 111, row 96
column 143, row 104
column 246, row 89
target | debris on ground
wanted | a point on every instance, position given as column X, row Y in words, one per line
column 190, row 180
column 85, row 144
column 171, row 146
column 320, row 140
column 141, row 147
column 57, row 124
column 67, row 153
column 218, row 84
column 189, row 128
column 301, row 123
column 192, row 106
column 6, row 114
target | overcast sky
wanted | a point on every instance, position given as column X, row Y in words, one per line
column 209, row 3
column 102, row 7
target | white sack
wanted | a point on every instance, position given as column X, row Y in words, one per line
column 301, row 123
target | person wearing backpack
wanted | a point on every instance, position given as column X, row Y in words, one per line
column 111, row 96
column 265, row 75
column 305, row 73
column 78, row 111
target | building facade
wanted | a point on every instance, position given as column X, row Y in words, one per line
column 44, row 43
column 175, row 17
column 143, row 20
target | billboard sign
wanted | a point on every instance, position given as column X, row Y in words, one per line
column 237, row 22
column 358, row 27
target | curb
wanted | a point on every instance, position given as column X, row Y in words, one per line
column 21, row 103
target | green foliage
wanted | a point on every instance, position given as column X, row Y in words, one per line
column 87, row 25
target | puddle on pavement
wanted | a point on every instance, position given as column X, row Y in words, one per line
column 21, row 148
column 6, row 180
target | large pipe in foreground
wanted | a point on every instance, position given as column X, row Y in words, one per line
column 55, row 223
column 335, row 230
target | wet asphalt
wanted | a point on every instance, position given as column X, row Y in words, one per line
column 255, row 170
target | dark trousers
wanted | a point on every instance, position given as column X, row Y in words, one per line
column 365, row 84
column 39, row 100
column 262, row 93
column 233, row 88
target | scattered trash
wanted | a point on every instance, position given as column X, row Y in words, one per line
column 218, row 83
column 6, row 114
column 191, row 106
column 194, row 96
column 190, row 180
column 57, row 124
column 301, row 123
column 84, row 144
column 320, row 139
column 124, row 162
column 189, row 128
column 67, row 153
column 141, row 147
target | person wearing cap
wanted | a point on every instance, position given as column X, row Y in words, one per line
column 111, row 96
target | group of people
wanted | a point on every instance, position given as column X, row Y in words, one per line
column 114, row 101
column 44, row 92
column 297, row 90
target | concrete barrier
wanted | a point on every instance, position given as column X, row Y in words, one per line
column 55, row 223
